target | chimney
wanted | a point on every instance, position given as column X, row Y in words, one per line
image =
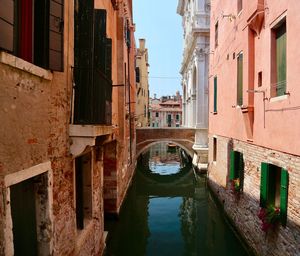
column 142, row 44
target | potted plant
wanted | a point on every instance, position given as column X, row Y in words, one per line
column 236, row 185
column 269, row 216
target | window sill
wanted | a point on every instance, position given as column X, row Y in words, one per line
column 15, row 62
column 279, row 98
column 85, row 135
column 214, row 113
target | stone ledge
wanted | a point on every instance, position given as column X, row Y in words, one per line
column 85, row 135
column 15, row 62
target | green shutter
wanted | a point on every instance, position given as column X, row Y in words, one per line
column 264, row 180
column 240, row 173
column 234, row 164
column 240, row 79
column 284, row 183
column 281, row 59
column 215, row 93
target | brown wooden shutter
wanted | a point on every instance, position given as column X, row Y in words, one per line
column 56, row 30
column 7, row 25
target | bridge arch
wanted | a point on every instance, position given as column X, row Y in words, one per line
column 182, row 137
column 143, row 147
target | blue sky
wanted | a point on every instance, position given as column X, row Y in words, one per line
column 158, row 22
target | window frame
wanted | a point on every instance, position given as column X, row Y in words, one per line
column 237, row 167
column 42, row 41
column 215, row 106
column 274, row 90
column 240, row 77
column 239, row 6
column 268, row 192
column 216, row 34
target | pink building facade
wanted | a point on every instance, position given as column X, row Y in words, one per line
column 254, row 113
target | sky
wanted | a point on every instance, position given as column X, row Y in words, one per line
column 158, row 22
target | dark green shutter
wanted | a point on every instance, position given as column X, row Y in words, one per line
column 240, row 172
column 281, row 59
column 264, row 182
column 232, row 164
column 108, row 58
column 215, row 93
column 240, row 79
column 7, row 25
column 284, row 183
column 100, row 40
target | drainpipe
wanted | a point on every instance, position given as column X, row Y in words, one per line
column 129, row 96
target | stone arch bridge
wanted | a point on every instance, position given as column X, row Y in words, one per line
column 182, row 137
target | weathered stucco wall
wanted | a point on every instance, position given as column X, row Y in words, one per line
column 272, row 117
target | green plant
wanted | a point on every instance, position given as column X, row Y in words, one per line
column 236, row 185
column 269, row 217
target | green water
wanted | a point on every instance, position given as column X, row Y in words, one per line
column 169, row 212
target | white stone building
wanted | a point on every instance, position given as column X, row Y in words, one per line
column 196, row 23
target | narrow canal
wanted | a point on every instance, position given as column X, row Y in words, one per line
column 169, row 211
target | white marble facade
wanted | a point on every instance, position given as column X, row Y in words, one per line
column 196, row 23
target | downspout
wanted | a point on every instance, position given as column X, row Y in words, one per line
column 129, row 96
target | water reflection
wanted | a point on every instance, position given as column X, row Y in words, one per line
column 169, row 212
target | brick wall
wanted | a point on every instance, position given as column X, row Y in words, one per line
column 243, row 210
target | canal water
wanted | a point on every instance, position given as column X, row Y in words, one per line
column 169, row 211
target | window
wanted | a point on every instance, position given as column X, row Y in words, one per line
column 259, row 80
column 177, row 117
column 93, row 65
column 274, row 188
column 83, row 185
column 156, row 114
column 29, row 205
column 239, row 100
column 239, row 6
column 214, row 149
column 216, row 34
column 215, row 93
column 169, row 120
column 237, row 169
column 137, row 74
column 278, row 62
column 33, row 31
column 145, row 111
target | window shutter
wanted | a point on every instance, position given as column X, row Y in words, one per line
column 79, row 193
column 264, row 180
column 241, row 170
column 56, row 30
column 240, row 79
column 100, row 40
column 84, row 62
column 281, row 59
column 215, row 93
column 284, row 183
column 108, row 58
column 7, row 25
column 232, row 165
